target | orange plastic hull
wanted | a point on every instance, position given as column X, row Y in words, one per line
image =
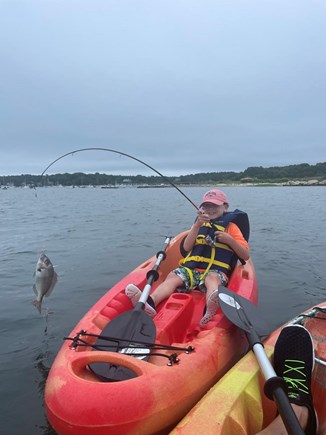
column 237, row 404
column 77, row 402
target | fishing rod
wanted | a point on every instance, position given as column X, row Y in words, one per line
column 126, row 155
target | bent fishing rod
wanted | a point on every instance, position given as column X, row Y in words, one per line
column 121, row 154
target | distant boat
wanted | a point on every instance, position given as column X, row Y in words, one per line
column 152, row 186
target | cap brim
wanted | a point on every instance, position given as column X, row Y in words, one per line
column 213, row 202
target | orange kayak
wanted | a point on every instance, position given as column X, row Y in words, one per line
column 162, row 390
column 237, row 404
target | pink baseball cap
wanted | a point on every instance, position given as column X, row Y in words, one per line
column 215, row 196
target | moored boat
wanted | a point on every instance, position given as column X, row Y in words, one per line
column 188, row 359
column 237, row 404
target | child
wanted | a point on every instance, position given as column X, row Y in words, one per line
column 213, row 246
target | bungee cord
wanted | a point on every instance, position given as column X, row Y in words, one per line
column 120, row 345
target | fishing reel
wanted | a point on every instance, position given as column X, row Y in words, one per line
column 211, row 242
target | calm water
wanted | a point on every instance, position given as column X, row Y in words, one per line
column 95, row 236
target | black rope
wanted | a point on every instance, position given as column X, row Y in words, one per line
column 321, row 310
column 173, row 358
column 118, row 340
column 313, row 317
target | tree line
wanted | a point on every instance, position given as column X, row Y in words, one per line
column 256, row 174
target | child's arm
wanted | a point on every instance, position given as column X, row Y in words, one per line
column 241, row 251
column 192, row 235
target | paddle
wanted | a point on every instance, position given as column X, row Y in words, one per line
column 128, row 329
column 244, row 314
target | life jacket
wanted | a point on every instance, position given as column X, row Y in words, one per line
column 204, row 253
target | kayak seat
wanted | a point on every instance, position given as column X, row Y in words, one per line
column 174, row 318
column 119, row 304
column 196, row 293
column 179, row 316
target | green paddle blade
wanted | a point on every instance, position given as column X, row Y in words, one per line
column 242, row 312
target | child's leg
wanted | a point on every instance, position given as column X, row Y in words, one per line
column 212, row 281
column 134, row 294
column 277, row 425
column 163, row 291
column 166, row 288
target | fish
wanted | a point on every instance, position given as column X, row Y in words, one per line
column 45, row 280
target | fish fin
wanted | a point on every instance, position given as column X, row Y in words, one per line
column 53, row 283
column 34, row 288
column 38, row 305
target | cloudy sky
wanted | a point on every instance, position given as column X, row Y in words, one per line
column 185, row 85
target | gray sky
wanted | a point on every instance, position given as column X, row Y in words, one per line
column 186, row 86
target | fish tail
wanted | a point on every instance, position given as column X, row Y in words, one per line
column 38, row 305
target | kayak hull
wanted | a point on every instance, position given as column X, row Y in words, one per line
column 237, row 404
column 78, row 402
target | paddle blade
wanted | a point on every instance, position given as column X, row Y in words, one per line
column 111, row 372
column 242, row 312
column 123, row 335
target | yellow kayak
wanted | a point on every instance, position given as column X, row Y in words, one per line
column 237, row 404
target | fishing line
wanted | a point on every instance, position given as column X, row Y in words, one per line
column 126, row 155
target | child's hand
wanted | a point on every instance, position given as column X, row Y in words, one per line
column 202, row 218
column 223, row 237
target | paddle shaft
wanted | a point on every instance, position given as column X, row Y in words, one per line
column 128, row 330
column 152, row 275
column 137, row 316
column 243, row 313
column 280, row 397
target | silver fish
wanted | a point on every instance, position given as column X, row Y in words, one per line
column 45, row 280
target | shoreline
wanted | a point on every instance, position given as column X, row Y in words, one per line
column 291, row 183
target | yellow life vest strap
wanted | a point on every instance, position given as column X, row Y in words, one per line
column 211, row 225
column 210, row 261
column 202, row 241
column 203, row 275
column 191, row 278
column 219, row 227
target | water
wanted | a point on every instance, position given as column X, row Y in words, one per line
column 94, row 237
